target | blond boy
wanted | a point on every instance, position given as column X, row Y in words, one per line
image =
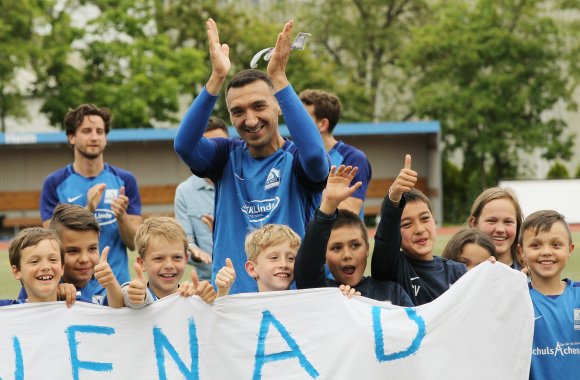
column 162, row 247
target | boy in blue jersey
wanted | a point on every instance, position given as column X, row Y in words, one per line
column 261, row 178
column 36, row 256
column 162, row 247
column 545, row 246
column 110, row 193
column 404, row 243
column 339, row 238
column 325, row 109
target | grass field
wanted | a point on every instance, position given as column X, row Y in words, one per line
column 9, row 287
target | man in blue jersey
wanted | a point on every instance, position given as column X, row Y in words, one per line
column 325, row 109
column 262, row 177
column 109, row 192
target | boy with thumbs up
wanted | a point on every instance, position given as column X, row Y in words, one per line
column 90, row 274
column 405, row 239
column 162, row 247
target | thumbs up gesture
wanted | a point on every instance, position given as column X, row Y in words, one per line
column 103, row 272
column 137, row 287
column 225, row 278
column 405, row 181
column 202, row 289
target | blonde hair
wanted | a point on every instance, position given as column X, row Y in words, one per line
column 267, row 236
column 159, row 227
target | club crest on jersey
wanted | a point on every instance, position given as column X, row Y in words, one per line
column 111, row 194
column 576, row 319
column 273, row 179
column 260, row 210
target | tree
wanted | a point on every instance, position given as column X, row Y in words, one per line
column 17, row 44
column 558, row 171
column 489, row 70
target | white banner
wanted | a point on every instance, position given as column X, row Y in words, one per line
column 480, row 329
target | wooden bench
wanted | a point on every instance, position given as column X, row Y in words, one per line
column 27, row 202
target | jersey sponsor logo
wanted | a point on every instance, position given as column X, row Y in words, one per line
column 415, row 287
column 576, row 319
column 560, row 349
column 98, row 299
column 259, row 210
column 111, row 194
column 104, row 216
column 72, row 199
column 273, row 179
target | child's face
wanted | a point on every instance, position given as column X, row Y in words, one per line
column 346, row 255
column 273, row 269
column 418, row 230
column 40, row 271
column 498, row 220
column 81, row 254
column 547, row 253
column 473, row 254
column 164, row 263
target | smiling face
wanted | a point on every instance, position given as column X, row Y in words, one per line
column 254, row 113
column 546, row 253
column 498, row 221
column 273, row 268
column 418, row 230
column 164, row 263
column 40, row 270
column 90, row 138
column 81, row 254
column 346, row 255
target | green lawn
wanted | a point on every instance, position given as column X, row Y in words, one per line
column 9, row 287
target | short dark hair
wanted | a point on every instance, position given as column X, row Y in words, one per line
column 245, row 77
column 416, row 195
column 214, row 123
column 326, row 105
column 347, row 218
column 74, row 118
column 542, row 221
column 73, row 217
column 455, row 245
column 29, row 237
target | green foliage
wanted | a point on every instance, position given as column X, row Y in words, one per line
column 558, row 171
column 455, row 195
column 577, row 175
column 489, row 70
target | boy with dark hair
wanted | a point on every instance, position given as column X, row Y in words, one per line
column 162, row 247
column 36, row 256
column 545, row 246
column 325, row 109
column 404, row 243
column 339, row 238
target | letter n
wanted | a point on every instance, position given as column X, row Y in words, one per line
column 162, row 344
column 379, row 341
column 295, row 352
column 19, row 371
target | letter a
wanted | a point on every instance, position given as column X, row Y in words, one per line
column 295, row 352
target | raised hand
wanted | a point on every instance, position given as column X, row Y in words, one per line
column 348, row 291
column 94, row 196
column 337, row 187
column 203, row 289
column 66, row 292
column 277, row 66
column 119, row 205
column 137, row 287
column 225, row 278
column 404, row 182
column 220, row 58
column 103, row 272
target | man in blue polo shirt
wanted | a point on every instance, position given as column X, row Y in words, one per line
column 262, row 177
column 109, row 192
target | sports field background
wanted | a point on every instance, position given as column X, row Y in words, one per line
column 9, row 287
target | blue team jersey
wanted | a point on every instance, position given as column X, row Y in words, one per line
column 279, row 192
column 556, row 346
column 92, row 292
column 344, row 154
column 12, row 302
column 66, row 186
